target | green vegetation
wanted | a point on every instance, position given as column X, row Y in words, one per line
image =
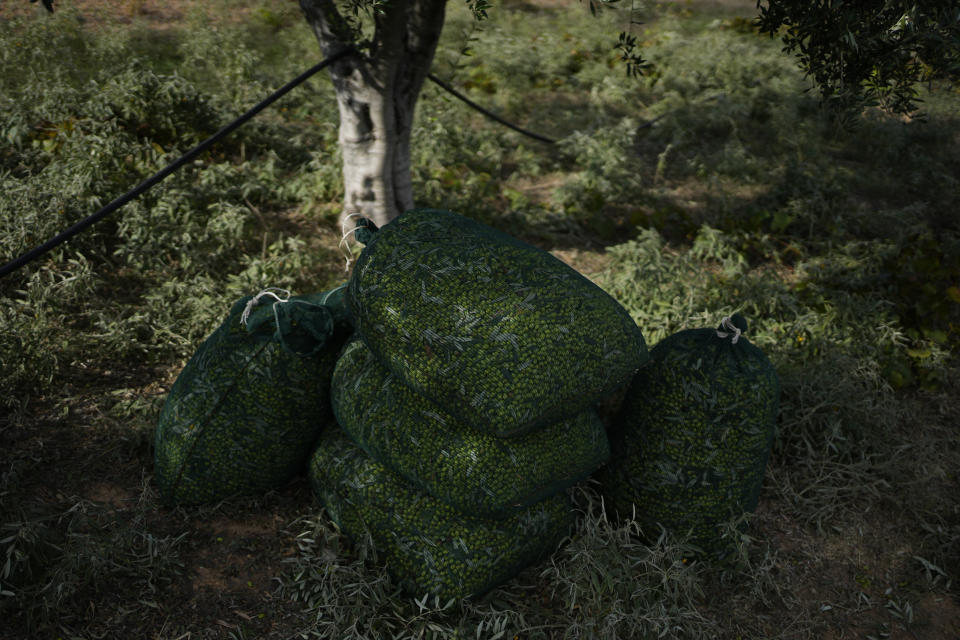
column 455, row 309
column 841, row 247
column 474, row 472
column 428, row 546
column 694, row 436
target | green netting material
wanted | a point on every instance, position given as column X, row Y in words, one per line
column 472, row 471
column 243, row 415
column 695, row 433
column 428, row 546
column 502, row 335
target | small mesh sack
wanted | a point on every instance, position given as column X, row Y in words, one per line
column 472, row 471
column 429, row 547
column 243, row 415
column 695, row 433
column 502, row 335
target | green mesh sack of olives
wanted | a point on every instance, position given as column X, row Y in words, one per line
column 502, row 335
column 243, row 415
column 472, row 471
column 429, row 547
column 694, row 434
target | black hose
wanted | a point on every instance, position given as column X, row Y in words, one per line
column 35, row 253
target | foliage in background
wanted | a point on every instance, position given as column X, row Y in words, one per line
column 864, row 54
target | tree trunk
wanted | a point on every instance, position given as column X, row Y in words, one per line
column 377, row 94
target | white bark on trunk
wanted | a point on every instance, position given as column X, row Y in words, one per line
column 377, row 96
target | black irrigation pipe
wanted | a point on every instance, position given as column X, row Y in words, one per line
column 493, row 116
column 535, row 136
column 59, row 239
column 35, row 253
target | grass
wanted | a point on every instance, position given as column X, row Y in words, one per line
column 842, row 248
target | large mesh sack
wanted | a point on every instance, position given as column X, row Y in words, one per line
column 428, row 546
column 502, row 335
column 243, row 415
column 695, row 433
column 472, row 471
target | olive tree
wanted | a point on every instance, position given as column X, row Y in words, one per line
column 858, row 53
column 868, row 52
column 377, row 90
